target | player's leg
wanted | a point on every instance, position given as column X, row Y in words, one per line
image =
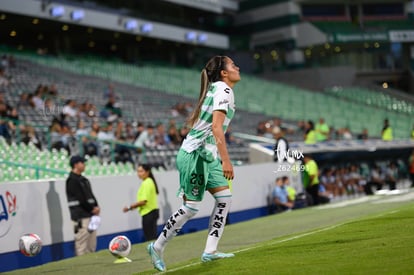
column 192, row 187
column 218, row 186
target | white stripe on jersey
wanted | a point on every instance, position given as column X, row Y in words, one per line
column 219, row 97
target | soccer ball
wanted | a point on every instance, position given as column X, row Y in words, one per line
column 120, row 246
column 30, row 244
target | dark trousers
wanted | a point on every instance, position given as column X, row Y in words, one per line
column 369, row 185
column 149, row 224
column 313, row 190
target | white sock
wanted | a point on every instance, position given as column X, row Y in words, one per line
column 175, row 223
column 218, row 219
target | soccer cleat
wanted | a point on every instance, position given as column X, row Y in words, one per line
column 156, row 260
column 208, row 257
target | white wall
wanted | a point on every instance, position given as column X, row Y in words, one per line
column 41, row 207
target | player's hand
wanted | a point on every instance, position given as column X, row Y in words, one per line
column 228, row 172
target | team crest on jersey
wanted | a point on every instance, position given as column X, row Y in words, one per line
column 195, row 192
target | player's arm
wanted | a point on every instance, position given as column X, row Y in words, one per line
column 217, row 128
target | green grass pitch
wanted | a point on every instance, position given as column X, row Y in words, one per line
column 369, row 235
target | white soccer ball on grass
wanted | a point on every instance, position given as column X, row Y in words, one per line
column 30, row 244
column 120, row 246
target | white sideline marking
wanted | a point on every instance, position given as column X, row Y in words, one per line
column 279, row 241
column 267, row 244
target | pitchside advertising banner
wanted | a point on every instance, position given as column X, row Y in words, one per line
column 41, row 207
column 391, row 36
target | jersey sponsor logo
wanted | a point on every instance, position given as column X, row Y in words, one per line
column 227, row 90
column 224, row 101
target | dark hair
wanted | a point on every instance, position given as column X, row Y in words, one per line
column 147, row 168
column 210, row 73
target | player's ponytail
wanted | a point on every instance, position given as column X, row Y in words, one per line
column 211, row 73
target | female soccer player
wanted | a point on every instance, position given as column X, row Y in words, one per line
column 147, row 202
column 203, row 161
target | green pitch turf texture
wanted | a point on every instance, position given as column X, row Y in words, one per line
column 369, row 235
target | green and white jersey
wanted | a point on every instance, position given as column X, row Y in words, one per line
column 219, row 97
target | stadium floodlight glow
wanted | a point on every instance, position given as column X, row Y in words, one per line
column 57, row 11
column 131, row 25
column 190, row 36
column 202, row 37
column 77, row 15
column 147, row 28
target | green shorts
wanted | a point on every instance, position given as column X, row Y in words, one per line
column 198, row 172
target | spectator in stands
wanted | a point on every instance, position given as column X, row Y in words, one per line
column 411, row 167
column 15, row 124
column 53, row 91
column 55, row 130
column 105, row 138
column 310, row 134
column 146, row 139
column 112, row 110
column 376, row 180
column 83, row 110
column 4, row 64
column 174, row 135
column 386, row 133
column 24, row 100
column 184, row 131
column 392, row 175
column 49, row 107
column 67, row 137
column 91, row 143
column 120, row 129
column 4, row 80
column 323, row 195
column 322, row 130
column 29, row 136
column 81, row 134
column 280, row 196
column 147, row 202
column 129, row 133
column 328, row 180
column 162, row 139
column 139, row 129
column 123, row 151
column 70, row 108
column 4, row 122
column 346, row 133
column 355, row 180
column 340, row 179
column 311, row 178
column 363, row 135
column 261, row 128
column 38, row 98
column 199, row 168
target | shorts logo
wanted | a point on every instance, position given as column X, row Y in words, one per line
column 197, row 179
